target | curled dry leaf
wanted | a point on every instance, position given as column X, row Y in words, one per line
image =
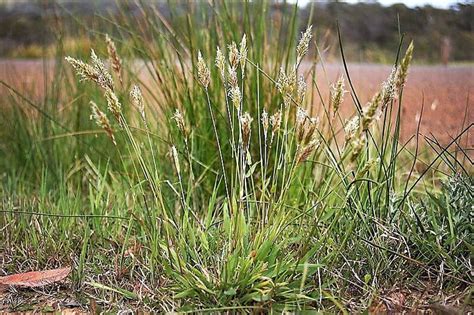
column 35, row 278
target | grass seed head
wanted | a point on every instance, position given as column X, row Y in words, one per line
column 357, row 145
column 380, row 101
column 310, row 128
column 303, row 44
column 402, row 72
column 306, row 151
column 204, row 75
column 234, row 55
column 104, row 79
column 351, row 128
column 281, row 80
column 179, row 119
column 337, row 94
column 101, row 120
column 286, row 85
column 245, row 121
column 265, row 122
column 136, row 98
column 174, row 155
column 243, row 52
column 113, row 104
column 369, row 112
column 275, row 121
column 301, row 90
column 301, row 116
column 84, row 70
column 235, row 96
column 114, row 57
column 389, row 89
column 220, row 63
column 232, row 79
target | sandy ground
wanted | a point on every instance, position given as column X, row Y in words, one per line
column 446, row 91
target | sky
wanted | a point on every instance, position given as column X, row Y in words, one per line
column 409, row 3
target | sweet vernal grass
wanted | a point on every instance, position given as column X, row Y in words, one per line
column 215, row 184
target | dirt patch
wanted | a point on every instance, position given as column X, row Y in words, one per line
column 445, row 91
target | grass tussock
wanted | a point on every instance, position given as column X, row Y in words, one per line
column 217, row 184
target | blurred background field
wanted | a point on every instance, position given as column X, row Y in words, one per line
column 447, row 92
column 30, row 29
column 32, row 34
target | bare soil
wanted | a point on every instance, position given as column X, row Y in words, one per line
column 446, row 92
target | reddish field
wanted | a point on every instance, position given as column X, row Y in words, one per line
column 447, row 93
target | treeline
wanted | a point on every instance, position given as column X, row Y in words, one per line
column 370, row 31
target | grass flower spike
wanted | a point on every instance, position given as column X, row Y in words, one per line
column 275, row 121
column 204, row 75
column 351, row 128
column 114, row 57
column 265, row 122
column 104, row 79
column 96, row 72
column 402, row 72
column 220, row 63
column 101, row 120
column 307, row 150
column 243, row 52
column 113, row 104
column 84, row 70
column 246, row 120
column 136, row 98
column 174, row 155
column 301, row 91
column 234, row 55
column 337, row 95
column 179, row 119
column 303, row 45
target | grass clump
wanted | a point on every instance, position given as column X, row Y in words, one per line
column 224, row 188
